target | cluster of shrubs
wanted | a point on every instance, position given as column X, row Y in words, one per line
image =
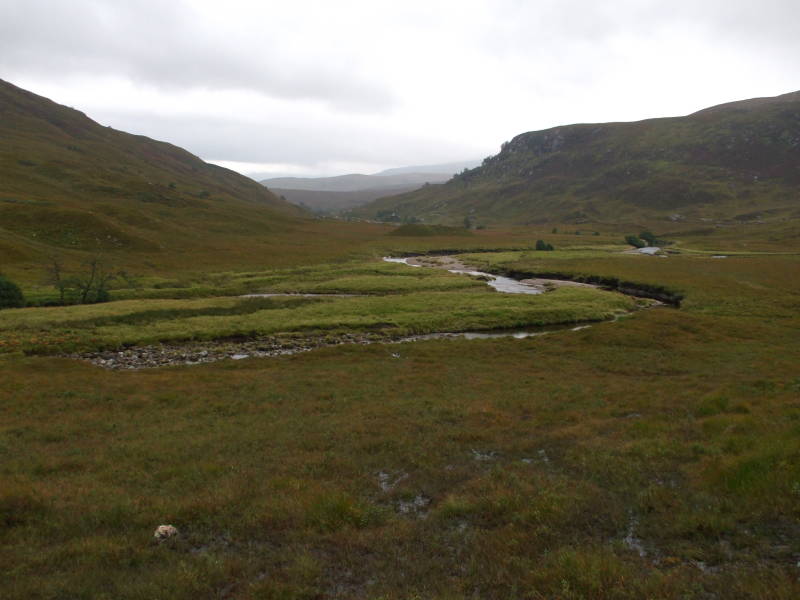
column 542, row 245
column 644, row 239
column 10, row 294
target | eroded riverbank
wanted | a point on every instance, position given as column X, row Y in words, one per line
column 195, row 353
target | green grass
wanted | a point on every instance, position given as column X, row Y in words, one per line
column 403, row 301
column 535, row 459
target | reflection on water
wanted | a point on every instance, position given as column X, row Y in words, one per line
column 501, row 284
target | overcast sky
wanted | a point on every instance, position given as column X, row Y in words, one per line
column 328, row 87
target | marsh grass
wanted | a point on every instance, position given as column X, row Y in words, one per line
column 400, row 301
column 150, row 321
column 541, row 457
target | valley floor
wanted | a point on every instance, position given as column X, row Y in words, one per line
column 654, row 457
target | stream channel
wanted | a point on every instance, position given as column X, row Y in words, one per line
column 189, row 353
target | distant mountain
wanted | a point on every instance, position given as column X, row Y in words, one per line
column 331, row 194
column 738, row 161
column 355, row 182
column 334, row 202
column 70, row 184
column 452, row 168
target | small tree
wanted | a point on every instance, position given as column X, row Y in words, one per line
column 56, row 277
column 10, row 294
column 93, row 284
column 85, row 287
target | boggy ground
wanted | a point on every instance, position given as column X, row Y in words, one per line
column 656, row 457
column 374, row 297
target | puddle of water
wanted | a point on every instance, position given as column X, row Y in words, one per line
column 483, row 456
column 631, row 541
column 388, row 482
column 415, row 506
column 517, row 334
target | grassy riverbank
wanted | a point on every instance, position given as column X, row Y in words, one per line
column 379, row 297
column 655, row 457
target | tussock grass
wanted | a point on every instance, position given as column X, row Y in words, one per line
column 654, row 457
column 136, row 322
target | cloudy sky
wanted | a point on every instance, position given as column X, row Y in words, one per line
column 321, row 87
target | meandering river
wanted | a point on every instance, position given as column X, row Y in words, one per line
column 143, row 357
column 498, row 282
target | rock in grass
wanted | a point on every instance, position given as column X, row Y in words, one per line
column 165, row 532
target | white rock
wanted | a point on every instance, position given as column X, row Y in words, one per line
column 165, row 532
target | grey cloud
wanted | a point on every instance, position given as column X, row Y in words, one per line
column 164, row 44
column 291, row 142
column 552, row 25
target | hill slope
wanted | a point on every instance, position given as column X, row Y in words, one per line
column 68, row 184
column 737, row 161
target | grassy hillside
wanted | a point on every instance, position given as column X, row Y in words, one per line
column 738, row 162
column 72, row 187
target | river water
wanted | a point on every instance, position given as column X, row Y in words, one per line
column 498, row 282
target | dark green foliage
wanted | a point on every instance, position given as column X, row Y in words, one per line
column 10, row 294
column 635, row 241
column 542, row 245
column 648, row 237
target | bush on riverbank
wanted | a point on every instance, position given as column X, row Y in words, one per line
column 10, row 294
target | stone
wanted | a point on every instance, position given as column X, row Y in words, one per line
column 165, row 532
